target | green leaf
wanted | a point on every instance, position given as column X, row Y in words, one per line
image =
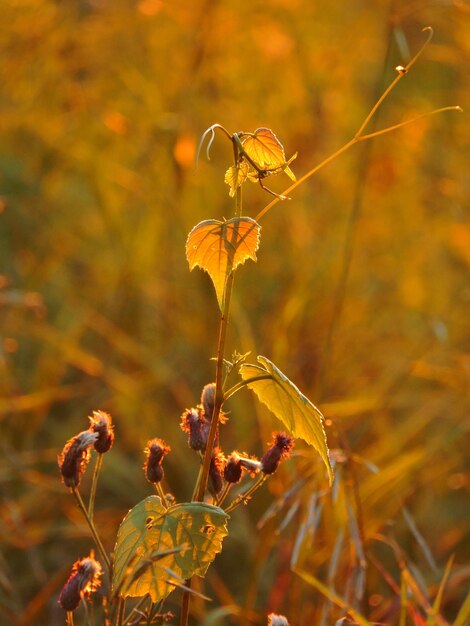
column 148, row 529
column 219, row 247
column 300, row 416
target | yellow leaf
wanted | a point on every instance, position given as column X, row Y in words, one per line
column 300, row 416
column 155, row 545
column 267, row 152
column 219, row 247
column 236, row 176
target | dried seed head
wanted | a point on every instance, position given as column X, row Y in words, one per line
column 156, row 451
column 280, row 449
column 233, row 469
column 216, row 471
column 195, row 424
column 277, row 620
column 74, row 457
column 208, row 400
column 250, row 464
column 84, row 580
column 101, row 423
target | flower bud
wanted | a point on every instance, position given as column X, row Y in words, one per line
column 101, row 423
column 279, row 450
column 233, row 469
column 216, row 471
column 195, row 424
column 74, row 457
column 208, row 400
column 156, row 451
column 84, row 580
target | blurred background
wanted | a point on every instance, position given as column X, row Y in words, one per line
column 361, row 293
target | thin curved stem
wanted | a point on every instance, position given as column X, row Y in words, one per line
column 224, row 494
column 135, row 609
column 243, row 497
column 161, row 493
column 94, row 485
column 406, row 122
column 359, row 136
column 233, row 390
column 92, row 528
column 401, row 73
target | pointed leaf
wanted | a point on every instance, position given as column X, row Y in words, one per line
column 283, row 398
column 265, row 149
column 150, row 528
column 219, row 247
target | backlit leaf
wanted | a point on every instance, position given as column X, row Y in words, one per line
column 265, row 149
column 148, row 529
column 236, row 176
column 300, row 416
column 219, row 247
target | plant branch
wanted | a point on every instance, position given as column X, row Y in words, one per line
column 92, row 528
column 244, row 497
column 94, row 484
column 359, row 136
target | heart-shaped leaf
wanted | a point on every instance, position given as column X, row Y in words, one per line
column 300, row 416
column 267, row 152
column 190, row 534
column 219, row 247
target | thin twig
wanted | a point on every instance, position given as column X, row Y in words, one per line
column 94, row 484
column 92, row 528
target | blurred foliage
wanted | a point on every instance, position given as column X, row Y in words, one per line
column 360, row 294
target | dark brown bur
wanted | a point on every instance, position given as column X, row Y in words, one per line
column 74, row 457
column 101, row 423
column 156, row 451
column 84, row 580
column 279, row 451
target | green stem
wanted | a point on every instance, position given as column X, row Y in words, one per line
column 196, row 486
column 161, row 493
column 135, row 609
column 201, row 486
column 120, row 611
column 94, row 484
column 85, row 609
column 92, row 528
column 219, row 394
column 224, row 494
column 233, row 390
column 246, row 494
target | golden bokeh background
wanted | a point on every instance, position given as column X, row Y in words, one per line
column 361, row 293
